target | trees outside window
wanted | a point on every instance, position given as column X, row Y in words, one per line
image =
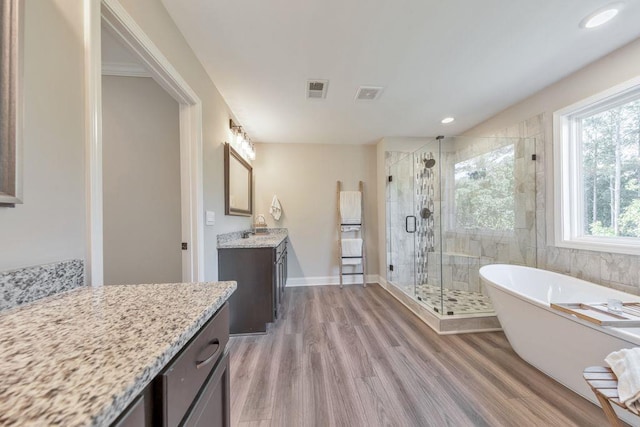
column 611, row 171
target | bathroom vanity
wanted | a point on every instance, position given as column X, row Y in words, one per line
column 258, row 264
column 122, row 355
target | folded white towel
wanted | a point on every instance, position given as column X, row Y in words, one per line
column 350, row 207
column 276, row 209
column 625, row 364
column 351, row 248
column 346, row 228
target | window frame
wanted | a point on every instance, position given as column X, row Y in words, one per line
column 568, row 177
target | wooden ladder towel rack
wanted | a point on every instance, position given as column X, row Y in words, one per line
column 359, row 232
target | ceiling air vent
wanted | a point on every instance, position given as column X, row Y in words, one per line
column 368, row 93
column 317, row 89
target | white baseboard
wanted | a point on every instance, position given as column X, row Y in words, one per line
column 330, row 280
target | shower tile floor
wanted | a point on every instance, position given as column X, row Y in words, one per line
column 455, row 301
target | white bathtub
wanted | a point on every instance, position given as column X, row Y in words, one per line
column 558, row 344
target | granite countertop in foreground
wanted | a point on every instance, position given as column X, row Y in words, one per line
column 270, row 240
column 81, row 357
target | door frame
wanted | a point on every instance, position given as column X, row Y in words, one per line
column 123, row 27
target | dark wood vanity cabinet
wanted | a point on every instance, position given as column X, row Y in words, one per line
column 212, row 408
column 261, row 274
column 188, row 380
column 193, row 389
column 135, row 415
column 281, row 276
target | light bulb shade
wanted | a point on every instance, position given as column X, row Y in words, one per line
column 601, row 16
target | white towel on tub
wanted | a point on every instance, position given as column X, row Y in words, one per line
column 625, row 364
column 350, row 207
column 351, row 248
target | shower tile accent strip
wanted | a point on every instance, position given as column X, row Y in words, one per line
column 425, row 197
column 25, row 285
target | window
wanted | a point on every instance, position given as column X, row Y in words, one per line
column 484, row 191
column 597, row 153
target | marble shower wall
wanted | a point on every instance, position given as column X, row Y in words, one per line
column 616, row 271
column 466, row 250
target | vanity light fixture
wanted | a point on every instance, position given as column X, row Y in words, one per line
column 447, row 120
column 242, row 142
column 601, row 16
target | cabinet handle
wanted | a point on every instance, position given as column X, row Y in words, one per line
column 201, row 363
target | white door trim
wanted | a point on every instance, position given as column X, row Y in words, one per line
column 119, row 22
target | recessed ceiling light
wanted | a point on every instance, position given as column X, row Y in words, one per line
column 601, row 16
column 447, row 120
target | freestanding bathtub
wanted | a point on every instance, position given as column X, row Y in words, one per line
column 558, row 344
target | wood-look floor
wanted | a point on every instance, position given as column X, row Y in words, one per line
column 357, row 357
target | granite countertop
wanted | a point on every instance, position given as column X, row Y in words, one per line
column 270, row 240
column 80, row 358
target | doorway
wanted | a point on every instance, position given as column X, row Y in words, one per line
column 116, row 21
column 140, row 177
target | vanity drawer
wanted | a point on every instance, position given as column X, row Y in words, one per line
column 184, row 377
column 212, row 408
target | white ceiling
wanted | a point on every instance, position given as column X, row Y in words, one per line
column 435, row 58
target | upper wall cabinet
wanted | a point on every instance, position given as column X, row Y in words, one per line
column 11, row 41
column 238, row 183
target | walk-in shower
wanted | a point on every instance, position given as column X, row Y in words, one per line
column 454, row 205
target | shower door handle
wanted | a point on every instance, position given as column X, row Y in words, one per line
column 406, row 223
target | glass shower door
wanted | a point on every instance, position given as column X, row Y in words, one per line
column 401, row 225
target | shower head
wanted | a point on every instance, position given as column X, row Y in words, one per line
column 429, row 163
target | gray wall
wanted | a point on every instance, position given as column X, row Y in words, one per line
column 50, row 225
column 141, row 182
column 304, row 177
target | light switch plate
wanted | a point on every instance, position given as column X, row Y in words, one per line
column 210, row 218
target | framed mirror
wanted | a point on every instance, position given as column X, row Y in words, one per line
column 238, row 183
column 11, row 41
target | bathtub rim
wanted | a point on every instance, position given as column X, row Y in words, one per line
column 625, row 334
